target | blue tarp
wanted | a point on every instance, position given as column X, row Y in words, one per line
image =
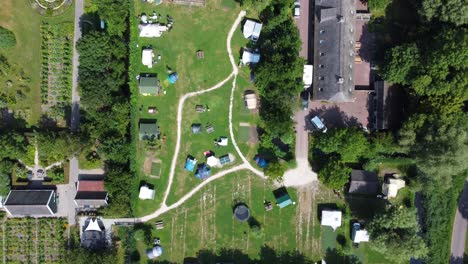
column 203, row 171
column 260, row 162
column 173, row 77
column 190, row 164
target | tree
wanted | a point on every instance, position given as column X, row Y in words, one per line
column 454, row 11
column 7, row 38
column 350, row 143
column 401, row 64
column 5, row 177
column 275, row 170
column 378, row 5
column 115, row 13
column 334, row 174
column 394, row 233
column 80, row 255
column 13, row 145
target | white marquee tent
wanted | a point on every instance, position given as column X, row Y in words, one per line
column 331, row 218
column 151, row 30
column 146, row 193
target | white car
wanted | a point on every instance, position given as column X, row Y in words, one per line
column 318, row 124
column 297, row 7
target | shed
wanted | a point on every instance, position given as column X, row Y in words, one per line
column 155, row 252
column 364, row 182
column 197, row 128
column 224, row 159
column 392, row 185
column 252, row 29
column 250, row 57
column 250, row 101
column 358, row 234
column 203, row 171
column 190, row 164
column 331, row 218
column 147, row 57
column 242, row 212
column 146, row 193
column 282, row 197
column 149, row 85
column 148, row 129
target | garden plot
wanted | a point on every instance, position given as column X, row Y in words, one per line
column 56, row 68
column 32, row 240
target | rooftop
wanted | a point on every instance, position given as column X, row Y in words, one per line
column 149, row 85
column 90, row 186
column 29, row 197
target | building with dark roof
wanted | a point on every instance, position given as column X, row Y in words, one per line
column 148, row 129
column 31, row 203
column 333, row 51
column 93, row 234
column 90, row 194
column 148, row 85
column 364, row 182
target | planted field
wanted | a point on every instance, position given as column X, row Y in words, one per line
column 56, row 67
column 33, row 240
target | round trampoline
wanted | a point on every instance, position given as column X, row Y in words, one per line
column 242, row 213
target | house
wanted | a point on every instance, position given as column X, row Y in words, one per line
column 391, row 186
column 333, row 51
column 147, row 56
column 331, row 218
column 155, row 252
column 225, row 159
column 148, row 85
column 190, row 164
column 249, row 57
column 250, row 100
column 94, row 234
column 148, row 129
column 151, row 30
column 282, row 197
column 146, row 193
column 358, row 234
column 90, row 194
column 31, row 203
column 203, row 171
column 252, row 29
column 364, row 182
column 197, row 128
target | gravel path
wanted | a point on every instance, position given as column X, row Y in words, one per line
column 75, row 115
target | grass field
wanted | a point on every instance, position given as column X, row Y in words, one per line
column 194, row 29
column 19, row 17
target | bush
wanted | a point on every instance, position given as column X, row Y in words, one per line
column 57, row 174
column 7, row 38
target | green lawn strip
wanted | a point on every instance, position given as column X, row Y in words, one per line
column 26, row 55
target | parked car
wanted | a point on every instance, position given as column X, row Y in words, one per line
column 318, row 124
column 297, row 8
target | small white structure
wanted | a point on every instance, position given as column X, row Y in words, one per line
column 359, row 235
column 93, row 226
column 154, row 252
column 146, row 193
column 147, row 57
column 144, row 19
column 151, row 30
column 212, row 161
column 250, row 101
column 391, row 186
column 223, row 141
column 250, row 57
column 307, row 77
column 252, row 30
column 331, row 218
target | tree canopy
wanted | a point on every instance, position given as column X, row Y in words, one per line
column 350, row 143
column 454, row 11
column 7, row 38
column 334, row 174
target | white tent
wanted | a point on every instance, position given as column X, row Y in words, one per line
column 212, row 161
column 93, row 226
column 151, row 30
column 331, row 218
column 360, row 236
column 154, row 252
column 391, row 187
column 252, row 30
column 147, row 57
column 250, row 57
column 146, row 193
column 223, row 141
column 251, row 101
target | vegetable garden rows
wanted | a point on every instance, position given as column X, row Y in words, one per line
column 31, row 240
column 56, row 67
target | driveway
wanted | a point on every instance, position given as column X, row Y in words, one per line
column 75, row 115
column 460, row 224
column 67, row 193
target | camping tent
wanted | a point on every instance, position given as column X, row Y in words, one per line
column 331, row 218
column 190, row 164
column 282, row 197
column 147, row 57
column 261, row 162
column 223, row 141
column 196, row 128
column 250, row 57
column 242, row 213
column 146, row 193
column 359, row 235
column 173, row 77
column 252, row 30
column 203, row 171
column 151, row 30
column 212, row 161
column 93, row 225
column 391, row 187
column 154, row 252
column 251, row 101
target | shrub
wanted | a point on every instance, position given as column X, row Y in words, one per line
column 7, row 38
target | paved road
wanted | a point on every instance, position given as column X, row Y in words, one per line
column 75, row 115
column 459, row 229
column 67, row 193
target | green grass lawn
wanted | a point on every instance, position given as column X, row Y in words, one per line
column 19, row 17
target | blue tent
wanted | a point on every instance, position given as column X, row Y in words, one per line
column 173, row 77
column 261, row 162
column 203, row 171
column 190, row 164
